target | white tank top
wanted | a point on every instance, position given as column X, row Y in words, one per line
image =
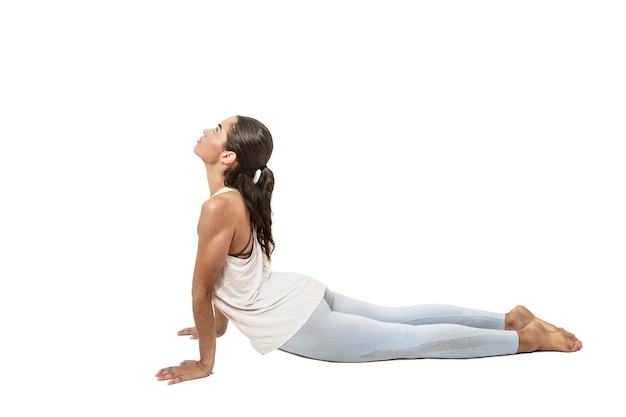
column 267, row 307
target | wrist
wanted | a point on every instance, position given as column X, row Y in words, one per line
column 208, row 370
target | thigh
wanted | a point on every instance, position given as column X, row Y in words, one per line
column 339, row 337
column 417, row 314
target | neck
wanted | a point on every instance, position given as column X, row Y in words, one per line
column 215, row 178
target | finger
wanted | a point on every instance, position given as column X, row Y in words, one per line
column 185, row 331
column 165, row 377
column 167, row 373
column 183, row 376
column 162, row 371
column 176, row 380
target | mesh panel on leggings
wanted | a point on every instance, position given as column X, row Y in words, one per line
column 426, row 349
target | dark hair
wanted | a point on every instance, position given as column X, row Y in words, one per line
column 252, row 142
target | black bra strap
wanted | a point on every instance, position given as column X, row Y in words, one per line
column 243, row 253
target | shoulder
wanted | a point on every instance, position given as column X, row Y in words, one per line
column 217, row 212
column 215, row 205
column 222, row 204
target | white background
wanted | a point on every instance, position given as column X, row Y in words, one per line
column 463, row 152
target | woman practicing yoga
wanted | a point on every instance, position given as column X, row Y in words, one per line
column 233, row 281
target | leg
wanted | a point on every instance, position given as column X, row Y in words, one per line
column 340, row 337
column 417, row 314
column 534, row 334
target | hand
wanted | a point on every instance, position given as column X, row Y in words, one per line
column 187, row 371
column 189, row 331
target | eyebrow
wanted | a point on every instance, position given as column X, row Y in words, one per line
column 219, row 126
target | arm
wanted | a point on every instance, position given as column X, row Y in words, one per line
column 215, row 233
column 221, row 322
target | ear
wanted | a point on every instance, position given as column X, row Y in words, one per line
column 229, row 157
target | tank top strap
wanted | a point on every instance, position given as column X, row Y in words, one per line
column 224, row 190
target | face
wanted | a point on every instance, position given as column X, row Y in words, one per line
column 210, row 146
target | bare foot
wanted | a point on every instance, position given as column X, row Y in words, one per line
column 520, row 317
column 541, row 336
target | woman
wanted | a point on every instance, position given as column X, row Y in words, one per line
column 233, row 280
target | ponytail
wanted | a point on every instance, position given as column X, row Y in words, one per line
column 252, row 142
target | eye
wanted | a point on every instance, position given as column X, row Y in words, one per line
column 216, row 129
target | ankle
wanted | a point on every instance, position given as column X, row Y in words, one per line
column 527, row 341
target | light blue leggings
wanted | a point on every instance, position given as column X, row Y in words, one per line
column 343, row 329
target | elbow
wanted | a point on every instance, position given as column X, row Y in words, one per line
column 220, row 328
column 221, row 322
column 201, row 294
column 201, row 301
